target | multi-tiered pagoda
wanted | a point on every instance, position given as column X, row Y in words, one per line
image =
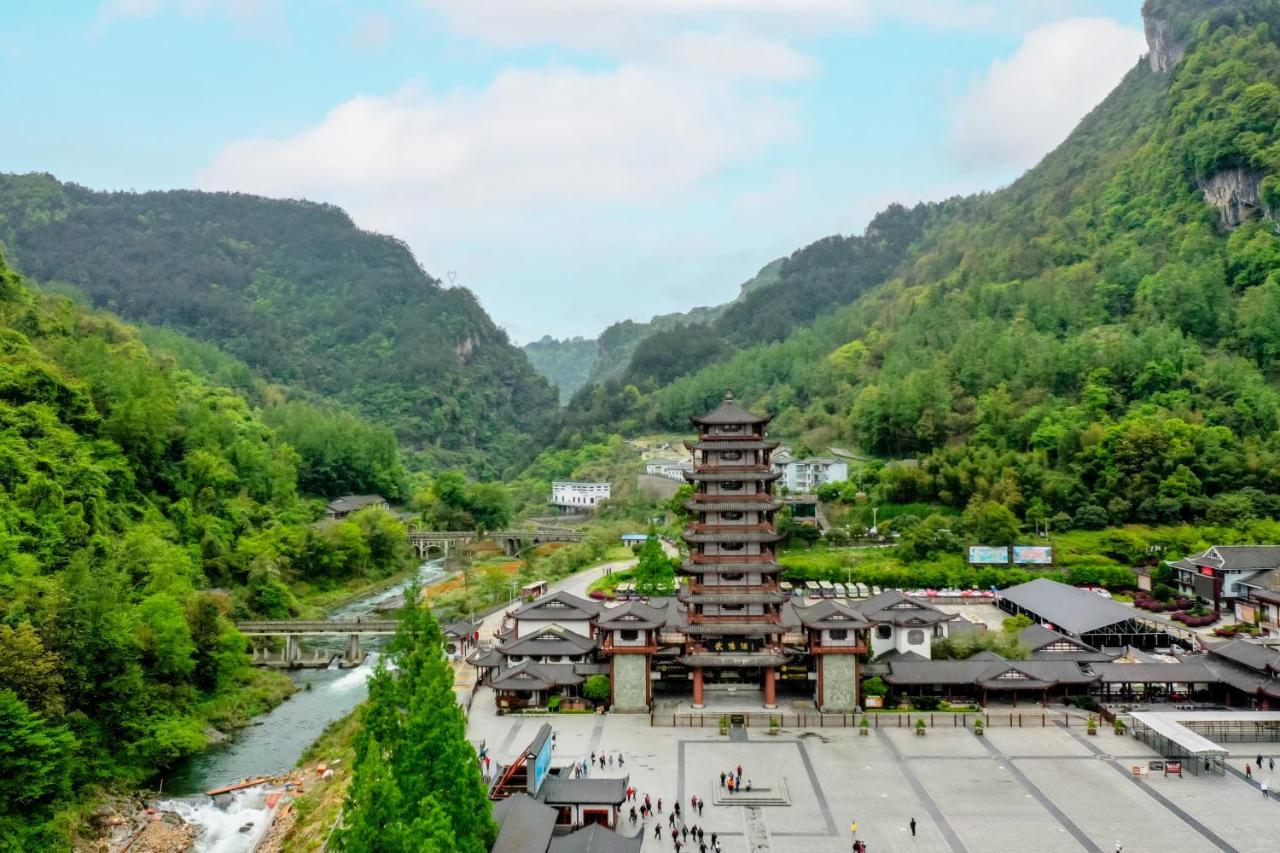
column 733, row 601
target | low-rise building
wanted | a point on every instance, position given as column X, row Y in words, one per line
column 347, row 504
column 576, row 496
column 1215, row 574
column 805, row 475
column 1259, row 600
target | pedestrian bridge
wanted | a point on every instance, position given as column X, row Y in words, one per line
column 291, row 656
column 512, row 542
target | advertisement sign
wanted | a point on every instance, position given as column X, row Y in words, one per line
column 541, row 765
column 1155, row 765
column 793, row 672
column 1041, row 555
column 874, row 702
column 672, row 670
column 1173, row 767
column 988, row 555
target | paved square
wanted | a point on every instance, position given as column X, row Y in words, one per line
column 1016, row 789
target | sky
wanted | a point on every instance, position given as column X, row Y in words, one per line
column 572, row 162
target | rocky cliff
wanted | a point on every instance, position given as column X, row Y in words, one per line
column 1236, row 193
column 1166, row 50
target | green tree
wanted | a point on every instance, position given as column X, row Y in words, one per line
column 654, row 573
column 417, row 784
column 30, row 670
column 597, row 688
column 35, row 758
column 990, row 523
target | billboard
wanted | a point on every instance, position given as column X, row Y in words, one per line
column 987, row 555
column 1041, row 555
column 541, row 765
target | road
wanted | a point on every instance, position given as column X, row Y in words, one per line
column 464, row 681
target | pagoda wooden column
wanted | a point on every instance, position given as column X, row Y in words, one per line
column 697, row 687
column 770, row 690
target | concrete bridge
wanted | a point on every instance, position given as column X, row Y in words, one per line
column 293, row 631
column 512, row 542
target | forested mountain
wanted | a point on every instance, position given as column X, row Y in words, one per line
column 141, row 509
column 570, row 364
column 1099, row 339
column 297, row 292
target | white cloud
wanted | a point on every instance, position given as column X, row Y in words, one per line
column 1027, row 103
column 536, row 138
column 372, row 32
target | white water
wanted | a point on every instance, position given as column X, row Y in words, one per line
column 275, row 741
column 220, row 826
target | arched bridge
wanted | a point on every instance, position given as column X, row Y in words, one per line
column 511, row 541
column 293, row 631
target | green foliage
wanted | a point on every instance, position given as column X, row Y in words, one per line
column 1004, row 643
column 35, row 758
column 990, row 523
column 1087, row 346
column 597, row 688
column 654, row 573
column 874, row 686
column 1014, row 624
column 298, row 293
column 132, row 488
column 450, row 502
column 417, row 784
column 567, row 364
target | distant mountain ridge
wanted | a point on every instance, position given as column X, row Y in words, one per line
column 1098, row 339
column 299, row 293
column 571, row 363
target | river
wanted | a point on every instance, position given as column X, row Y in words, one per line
column 276, row 740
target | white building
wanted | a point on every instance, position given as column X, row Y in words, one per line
column 805, row 475
column 573, row 495
column 672, row 469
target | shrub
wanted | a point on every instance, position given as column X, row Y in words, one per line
column 874, row 686
column 920, row 723
column 553, row 704
column 926, row 703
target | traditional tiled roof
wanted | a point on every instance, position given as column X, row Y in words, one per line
column 895, row 608
column 989, row 671
column 1040, row 639
column 524, row 825
column 631, row 614
column 460, row 629
column 737, row 629
column 1236, row 558
column 740, row 536
column 698, row 505
column 729, row 413
column 731, row 597
column 731, row 476
column 535, row 676
column 1255, row 656
column 559, row 607
column 826, row 614
column 596, row 839
column 723, row 443
column 351, row 503
column 1153, row 673
column 486, row 658
column 587, row 791
column 739, row 660
column 551, row 640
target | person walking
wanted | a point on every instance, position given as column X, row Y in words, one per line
column 684, row 833
column 1259, row 759
column 913, row 827
column 1264, row 790
column 659, row 805
column 1248, row 771
column 1271, row 763
column 620, row 761
column 657, row 831
column 721, row 778
column 1119, row 847
column 633, row 815
column 676, row 808
column 701, row 803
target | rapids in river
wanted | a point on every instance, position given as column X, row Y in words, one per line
column 274, row 742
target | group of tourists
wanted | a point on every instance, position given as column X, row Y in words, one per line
column 682, row 833
column 1248, row 774
column 732, row 780
column 604, row 760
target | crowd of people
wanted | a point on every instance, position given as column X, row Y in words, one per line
column 681, row 823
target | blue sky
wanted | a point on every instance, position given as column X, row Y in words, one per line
column 574, row 162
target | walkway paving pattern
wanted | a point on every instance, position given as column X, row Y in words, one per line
column 1017, row 789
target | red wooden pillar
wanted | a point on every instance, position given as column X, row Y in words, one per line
column 697, row 687
column 770, row 691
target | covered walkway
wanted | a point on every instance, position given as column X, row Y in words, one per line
column 1186, row 735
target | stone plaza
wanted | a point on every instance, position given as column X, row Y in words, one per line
column 1031, row 788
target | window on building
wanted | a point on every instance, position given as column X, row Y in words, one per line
column 731, row 516
column 837, row 634
column 884, row 632
column 730, row 455
column 915, row 637
column 629, row 635
column 733, row 576
column 731, row 546
column 738, row 606
column 731, row 486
